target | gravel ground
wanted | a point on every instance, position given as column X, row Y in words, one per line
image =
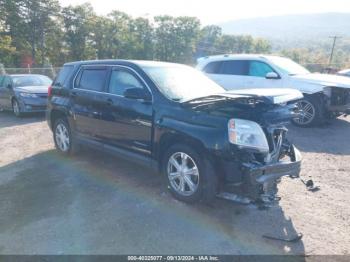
column 97, row 204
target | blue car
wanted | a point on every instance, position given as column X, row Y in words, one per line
column 24, row 93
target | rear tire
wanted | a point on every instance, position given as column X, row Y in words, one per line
column 62, row 136
column 190, row 176
column 312, row 112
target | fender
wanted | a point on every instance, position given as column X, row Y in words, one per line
column 204, row 136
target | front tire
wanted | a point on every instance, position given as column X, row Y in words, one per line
column 190, row 176
column 311, row 111
column 16, row 108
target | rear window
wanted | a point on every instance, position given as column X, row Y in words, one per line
column 212, row 68
column 31, row 80
column 235, row 67
column 92, row 79
column 63, row 75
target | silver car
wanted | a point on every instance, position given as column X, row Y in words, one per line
column 24, row 93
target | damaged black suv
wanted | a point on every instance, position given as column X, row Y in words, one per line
column 205, row 141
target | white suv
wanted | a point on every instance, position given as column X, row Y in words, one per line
column 325, row 96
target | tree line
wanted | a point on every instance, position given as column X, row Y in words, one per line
column 43, row 33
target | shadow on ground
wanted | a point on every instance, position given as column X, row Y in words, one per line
column 336, row 134
column 97, row 204
column 8, row 119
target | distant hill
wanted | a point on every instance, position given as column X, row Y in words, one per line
column 292, row 28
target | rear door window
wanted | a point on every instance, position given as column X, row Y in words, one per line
column 235, row 67
column 92, row 79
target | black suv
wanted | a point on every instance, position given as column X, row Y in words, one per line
column 206, row 141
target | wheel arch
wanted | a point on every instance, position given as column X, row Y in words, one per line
column 56, row 114
column 169, row 139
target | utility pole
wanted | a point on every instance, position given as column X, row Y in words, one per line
column 334, row 41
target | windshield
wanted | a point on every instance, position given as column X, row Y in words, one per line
column 31, row 80
column 288, row 66
column 181, row 83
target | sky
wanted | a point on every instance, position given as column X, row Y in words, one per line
column 216, row 11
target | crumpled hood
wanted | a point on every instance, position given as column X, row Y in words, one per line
column 274, row 95
column 324, row 80
column 32, row 89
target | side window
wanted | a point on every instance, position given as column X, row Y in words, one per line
column 212, row 68
column 259, row 69
column 63, row 75
column 122, row 80
column 235, row 67
column 7, row 81
column 92, row 79
column 2, row 80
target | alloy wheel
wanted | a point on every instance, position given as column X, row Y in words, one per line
column 306, row 112
column 183, row 174
column 62, row 137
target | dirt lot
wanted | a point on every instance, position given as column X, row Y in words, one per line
column 96, row 204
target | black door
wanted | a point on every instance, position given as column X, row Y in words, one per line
column 88, row 98
column 127, row 122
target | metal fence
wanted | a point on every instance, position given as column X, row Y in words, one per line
column 48, row 71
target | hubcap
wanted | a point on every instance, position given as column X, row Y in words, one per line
column 62, row 137
column 183, row 174
column 306, row 112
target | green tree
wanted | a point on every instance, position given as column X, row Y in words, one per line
column 7, row 51
column 208, row 40
column 77, row 23
column 176, row 38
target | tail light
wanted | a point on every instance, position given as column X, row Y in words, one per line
column 49, row 91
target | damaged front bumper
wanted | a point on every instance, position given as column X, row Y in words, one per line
column 261, row 180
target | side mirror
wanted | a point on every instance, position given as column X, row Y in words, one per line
column 272, row 75
column 137, row 93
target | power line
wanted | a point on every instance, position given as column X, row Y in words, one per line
column 334, row 41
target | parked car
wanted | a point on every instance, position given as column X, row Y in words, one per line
column 179, row 122
column 345, row 72
column 24, row 93
column 325, row 96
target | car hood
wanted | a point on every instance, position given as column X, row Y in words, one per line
column 268, row 96
column 324, row 80
column 274, row 95
column 264, row 106
column 32, row 89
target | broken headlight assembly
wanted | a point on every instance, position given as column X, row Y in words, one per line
column 247, row 134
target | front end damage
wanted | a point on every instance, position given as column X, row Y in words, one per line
column 260, row 180
column 339, row 101
column 249, row 173
column 255, row 175
column 261, row 173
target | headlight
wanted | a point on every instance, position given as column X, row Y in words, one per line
column 28, row 95
column 248, row 134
